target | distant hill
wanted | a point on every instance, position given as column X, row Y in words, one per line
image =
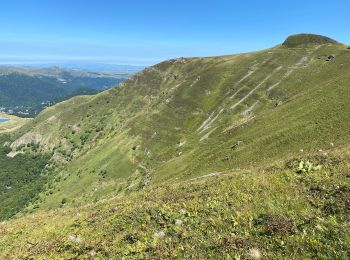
column 241, row 156
column 304, row 40
column 30, row 89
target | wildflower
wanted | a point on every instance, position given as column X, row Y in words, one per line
column 159, row 234
column 178, row 222
column 75, row 239
column 255, row 253
column 182, row 211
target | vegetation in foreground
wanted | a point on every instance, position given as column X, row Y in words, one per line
column 289, row 211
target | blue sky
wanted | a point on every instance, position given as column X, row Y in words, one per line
column 148, row 31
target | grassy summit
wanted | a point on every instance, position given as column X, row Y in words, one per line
column 304, row 40
column 270, row 127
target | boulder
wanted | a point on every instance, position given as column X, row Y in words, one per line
column 330, row 57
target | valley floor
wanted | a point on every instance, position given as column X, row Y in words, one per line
column 296, row 210
column 13, row 124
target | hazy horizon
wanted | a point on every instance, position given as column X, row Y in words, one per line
column 145, row 33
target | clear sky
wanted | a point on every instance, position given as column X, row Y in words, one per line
column 148, row 31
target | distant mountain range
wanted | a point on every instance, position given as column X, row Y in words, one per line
column 108, row 68
column 26, row 90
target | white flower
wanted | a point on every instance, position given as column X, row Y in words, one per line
column 178, row 222
column 182, row 211
column 159, row 234
column 255, row 253
column 75, row 239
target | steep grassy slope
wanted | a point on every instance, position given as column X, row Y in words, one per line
column 276, row 213
column 189, row 117
column 138, row 150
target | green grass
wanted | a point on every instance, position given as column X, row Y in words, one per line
column 276, row 211
column 302, row 40
column 138, row 147
column 163, row 107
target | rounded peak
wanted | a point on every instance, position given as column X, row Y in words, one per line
column 304, row 40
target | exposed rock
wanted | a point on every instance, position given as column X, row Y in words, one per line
column 51, row 118
column 279, row 103
column 225, row 159
column 181, row 143
column 13, row 154
column 213, row 174
column 302, row 61
column 330, row 57
column 27, row 139
column 236, row 144
column 249, row 109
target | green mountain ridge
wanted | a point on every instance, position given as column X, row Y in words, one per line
column 185, row 121
column 300, row 40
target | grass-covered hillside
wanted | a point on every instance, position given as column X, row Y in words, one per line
column 126, row 162
column 284, row 212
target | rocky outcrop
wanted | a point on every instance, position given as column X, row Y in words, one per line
column 27, row 139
